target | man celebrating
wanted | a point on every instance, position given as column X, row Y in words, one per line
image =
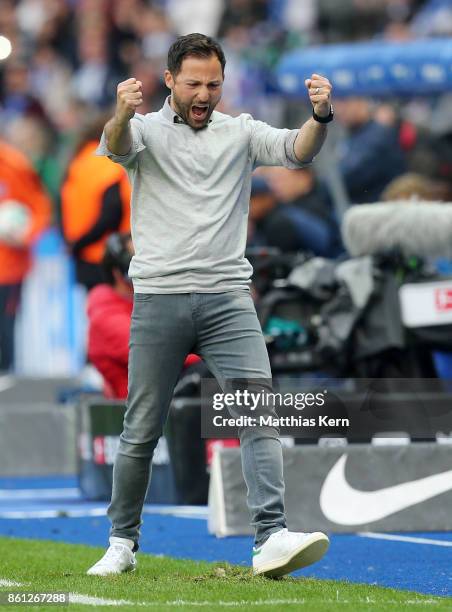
column 190, row 168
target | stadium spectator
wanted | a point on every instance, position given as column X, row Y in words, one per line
column 305, row 203
column 95, row 201
column 412, row 186
column 262, row 205
column 290, row 210
column 93, row 79
column 124, row 45
column 361, row 19
column 109, row 309
column 154, row 91
column 50, row 81
column 18, row 99
column 50, row 22
column 370, row 155
column 37, row 141
column 242, row 14
column 154, row 32
column 25, row 211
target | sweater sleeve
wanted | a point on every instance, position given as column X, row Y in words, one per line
column 128, row 160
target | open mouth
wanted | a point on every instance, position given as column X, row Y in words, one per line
column 199, row 112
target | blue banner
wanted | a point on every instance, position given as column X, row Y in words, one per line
column 383, row 69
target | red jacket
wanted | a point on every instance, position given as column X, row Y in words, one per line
column 109, row 316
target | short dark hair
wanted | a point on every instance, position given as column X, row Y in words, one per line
column 197, row 45
column 116, row 256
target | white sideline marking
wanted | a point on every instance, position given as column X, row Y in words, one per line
column 182, row 603
column 188, row 512
column 99, row 601
column 87, row 600
column 244, row 602
column 76, row 598
column 35, row 494
column 19, row 514
column 401, row 538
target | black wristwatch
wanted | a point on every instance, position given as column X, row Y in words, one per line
column 326, row 119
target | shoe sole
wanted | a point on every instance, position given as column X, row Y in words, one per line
column 307, row 553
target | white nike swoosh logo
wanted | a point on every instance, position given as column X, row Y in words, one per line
column 344, row 505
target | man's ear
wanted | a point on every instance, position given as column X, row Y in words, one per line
column 169, row 81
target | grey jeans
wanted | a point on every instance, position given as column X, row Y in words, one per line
column 223, row 329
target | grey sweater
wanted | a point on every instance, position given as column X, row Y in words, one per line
column 190, row 198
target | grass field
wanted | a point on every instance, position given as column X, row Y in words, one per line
column 162, row 583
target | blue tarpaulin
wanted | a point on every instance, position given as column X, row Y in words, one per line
column 421, row 67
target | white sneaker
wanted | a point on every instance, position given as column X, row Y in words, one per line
column 286, row 551
column 119, row 558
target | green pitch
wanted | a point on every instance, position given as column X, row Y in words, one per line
column 163, row 583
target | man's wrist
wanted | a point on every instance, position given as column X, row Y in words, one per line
column 120, row 122
column 323, row 119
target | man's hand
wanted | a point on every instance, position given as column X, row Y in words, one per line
column 117, row 131
column 319, row 89
column 129, row 97
column 312, row 133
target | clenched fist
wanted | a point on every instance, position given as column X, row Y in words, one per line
column 319, row 89
column 129, row 97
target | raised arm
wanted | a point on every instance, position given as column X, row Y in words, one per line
column 312, row 133
column 117, row 130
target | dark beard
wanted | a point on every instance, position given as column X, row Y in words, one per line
column 183, row 110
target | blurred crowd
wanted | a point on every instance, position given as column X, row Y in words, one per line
column 69, row 55
column 59, row 84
